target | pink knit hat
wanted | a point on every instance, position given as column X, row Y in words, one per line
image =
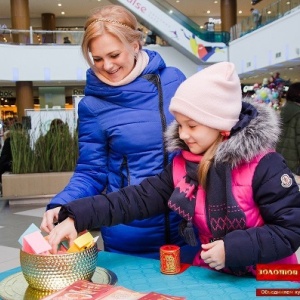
column 212, row 97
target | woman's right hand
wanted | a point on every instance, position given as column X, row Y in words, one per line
column 50, row 218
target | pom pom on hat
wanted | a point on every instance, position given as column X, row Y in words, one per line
column 211, row 97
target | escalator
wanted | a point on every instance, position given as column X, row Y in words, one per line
column 201, row 46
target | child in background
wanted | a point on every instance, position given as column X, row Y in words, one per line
column 226, row 179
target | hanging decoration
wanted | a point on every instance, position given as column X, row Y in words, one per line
column 270, row 91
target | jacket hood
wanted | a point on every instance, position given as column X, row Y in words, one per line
column 256, row 136
column 97, row 88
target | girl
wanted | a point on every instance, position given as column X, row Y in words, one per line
column 226, row 179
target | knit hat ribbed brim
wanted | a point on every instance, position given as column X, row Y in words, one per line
column 211, row 97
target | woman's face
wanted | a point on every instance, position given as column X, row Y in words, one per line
column 113, row 59
column 196, row 136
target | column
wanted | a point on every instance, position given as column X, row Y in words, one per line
column 48, row 23
column 228, row 14
column 24, row 95
column 20, row 19
column 19, row 10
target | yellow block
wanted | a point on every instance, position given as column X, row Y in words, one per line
column 82, row 242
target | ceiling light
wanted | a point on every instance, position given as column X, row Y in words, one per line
column 59, row 4
column 240, row 11
column 62, row 12
column 269, row 12
column 208, row 12
column 171, row 11
column 288, row 3
column 215, row 2
column 177, row 1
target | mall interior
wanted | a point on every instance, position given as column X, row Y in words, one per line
column 39, row 72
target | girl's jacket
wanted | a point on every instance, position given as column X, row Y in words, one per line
column 121, row 142
column 262, row 185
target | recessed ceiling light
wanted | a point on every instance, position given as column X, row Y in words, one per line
column 215, row 2
column 208, row 12
column 269, row 12
column 240, row 11
column 171, row 11
column 62, row 12
column 59, row 4
column 177, row 1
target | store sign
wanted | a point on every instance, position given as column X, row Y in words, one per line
column 7, row 94
column 78, row 92
column 215, row 21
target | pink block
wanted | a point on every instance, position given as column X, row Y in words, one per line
column 35, row 243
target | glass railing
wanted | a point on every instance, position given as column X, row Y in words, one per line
column 36, row 36
column 209, row 36
column 269, row 14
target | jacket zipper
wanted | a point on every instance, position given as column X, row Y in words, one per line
column 124, row 165
column 155, row 79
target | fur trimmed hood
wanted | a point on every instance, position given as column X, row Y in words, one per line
column 259, row 136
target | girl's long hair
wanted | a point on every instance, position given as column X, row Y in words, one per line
column 207, row 161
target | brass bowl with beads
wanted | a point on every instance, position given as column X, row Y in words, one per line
column 57, row 271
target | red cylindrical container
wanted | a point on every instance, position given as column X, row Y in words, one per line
column 170, row 259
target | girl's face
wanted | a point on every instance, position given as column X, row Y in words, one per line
column 113, row 59
column 197, row 137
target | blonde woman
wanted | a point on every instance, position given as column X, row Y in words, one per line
column 122, row 120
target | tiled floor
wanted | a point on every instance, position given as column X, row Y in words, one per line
column 14, row 220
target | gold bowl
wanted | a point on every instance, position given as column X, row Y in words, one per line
column 54, row 272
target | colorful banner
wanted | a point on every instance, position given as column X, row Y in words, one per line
column 163, row 22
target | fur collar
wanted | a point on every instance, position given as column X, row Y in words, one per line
column 261, row 135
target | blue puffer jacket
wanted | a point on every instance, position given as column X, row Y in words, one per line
column 120, row 143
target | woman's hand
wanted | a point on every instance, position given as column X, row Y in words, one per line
column 214, row 254
column 50, row 217
column 62, row 231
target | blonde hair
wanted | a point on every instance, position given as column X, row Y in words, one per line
column 113, row 19
column 207, row 161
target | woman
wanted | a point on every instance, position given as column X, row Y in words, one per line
column 122, row 120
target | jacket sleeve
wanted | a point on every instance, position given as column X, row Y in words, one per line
column 90, row 175
column 135, row 202
column 277, row 196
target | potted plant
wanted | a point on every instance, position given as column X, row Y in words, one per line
column 43, row 165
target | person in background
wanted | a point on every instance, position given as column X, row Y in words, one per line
column 122, row 120
column 57, row 141
column 150, row 38
column 226, row 179
column 257, row 17
column 6, row 153
column 289, row 142
column 67, row 40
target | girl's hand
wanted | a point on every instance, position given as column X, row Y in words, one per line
column 62, row 231
column 50, row 217
column 214, row 254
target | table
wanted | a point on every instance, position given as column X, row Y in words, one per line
column 195, row 283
